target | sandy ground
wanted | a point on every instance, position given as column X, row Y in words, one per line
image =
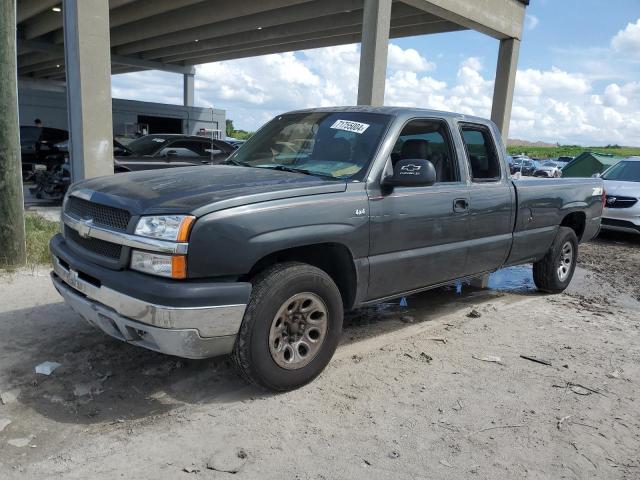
column 406, row 396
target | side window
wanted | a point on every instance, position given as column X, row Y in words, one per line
column 185, row 148
column 482, row 154
column 428, row 140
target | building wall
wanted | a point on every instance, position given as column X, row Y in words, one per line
column 50, row 106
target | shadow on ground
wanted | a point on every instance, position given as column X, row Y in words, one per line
column 103, row 380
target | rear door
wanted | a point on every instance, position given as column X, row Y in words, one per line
column 491, row 200
column 417, row 234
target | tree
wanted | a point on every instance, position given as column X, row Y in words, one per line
column 12, row 238
column 230, row 129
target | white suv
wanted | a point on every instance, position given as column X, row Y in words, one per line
column 622, row 186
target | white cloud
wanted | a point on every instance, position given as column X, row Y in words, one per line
column 531, row 21
column 628, row 40
column 552, row 105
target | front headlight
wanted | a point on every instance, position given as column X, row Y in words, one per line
column 170, row 266
column 174, row 228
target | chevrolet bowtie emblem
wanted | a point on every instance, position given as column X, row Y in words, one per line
column 84, row 227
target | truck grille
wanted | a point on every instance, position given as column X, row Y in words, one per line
column 95, row 245
column 115, row 218
column 615, row 201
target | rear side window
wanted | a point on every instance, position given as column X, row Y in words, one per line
column 481, row 153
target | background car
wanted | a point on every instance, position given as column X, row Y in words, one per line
column 169, row 150
column 622, row 188
column 549, row 169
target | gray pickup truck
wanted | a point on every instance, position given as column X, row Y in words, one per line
column 321, row 211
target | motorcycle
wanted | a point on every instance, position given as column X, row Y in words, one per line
column 52, row 184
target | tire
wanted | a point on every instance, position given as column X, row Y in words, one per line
column 269, row 330
column 549, row 274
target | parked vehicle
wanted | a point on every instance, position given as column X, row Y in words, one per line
column 525, row 165
column 260, row 257
column 169, row 150
column 548, row 169
column 622, row 186
column 36, row 144
column 234, row 142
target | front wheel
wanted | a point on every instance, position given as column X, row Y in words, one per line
column 291, row 327
column 554, row 272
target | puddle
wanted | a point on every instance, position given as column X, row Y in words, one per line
column 513, row 279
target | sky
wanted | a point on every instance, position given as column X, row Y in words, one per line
column 578, row 79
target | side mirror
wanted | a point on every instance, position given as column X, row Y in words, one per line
column 411, row 173
column 596, row 175
column 171, row 153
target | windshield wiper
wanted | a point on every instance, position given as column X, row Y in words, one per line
column 235, row 162
column 304, row 171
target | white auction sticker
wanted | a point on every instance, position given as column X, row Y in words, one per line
column 350, row 126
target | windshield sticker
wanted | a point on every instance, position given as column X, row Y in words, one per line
column 350, row 126
column 159, row 140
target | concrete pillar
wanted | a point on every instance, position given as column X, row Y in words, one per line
column 88, row 68
column 188, row 89
column 504, row 85
column 12, row 245
column 376, row 22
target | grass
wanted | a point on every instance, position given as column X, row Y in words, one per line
column 38, row 232
column 571, row 151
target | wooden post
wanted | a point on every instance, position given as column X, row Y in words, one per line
column 12, row 237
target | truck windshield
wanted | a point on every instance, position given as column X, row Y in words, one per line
column 328, row 144
column 625, row 171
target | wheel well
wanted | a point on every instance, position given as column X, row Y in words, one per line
column 575, row 221
column 334, row 258
column 120, row 169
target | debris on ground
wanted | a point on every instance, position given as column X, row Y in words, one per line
column 426, row 357
column 474, row 314
column 10, row 396
column 191, row 470
column 407, row 319
column 536, row 360
column 445, row 463
column 229, row 460
column 20, row 442
column 489, row 358
column 562, row 420
column 4, row 423
column 438, row 339
column 394, row 454
column 615, row 374
column 47, row 368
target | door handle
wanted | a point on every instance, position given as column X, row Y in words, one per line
column 460, row 205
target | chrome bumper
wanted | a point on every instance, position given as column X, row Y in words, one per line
column 197, row 332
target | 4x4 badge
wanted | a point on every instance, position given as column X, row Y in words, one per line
column 360, row 212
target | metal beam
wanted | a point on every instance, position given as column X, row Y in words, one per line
column 31, row 8
column 310, row 34
column 504, row 85
column 316, row 24
column 376, row 24
column 86, row 27
column 440, row 27
column 497, row 18
column 194, row 16
column 58, row 52
column 280, row 16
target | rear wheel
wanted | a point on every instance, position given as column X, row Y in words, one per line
column 291, row 327
column 554, row 272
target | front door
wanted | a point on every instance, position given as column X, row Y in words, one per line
column 417, row 234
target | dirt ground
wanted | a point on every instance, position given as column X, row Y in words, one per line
column 409, row 394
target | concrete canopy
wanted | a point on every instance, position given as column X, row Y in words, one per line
column 174, row 34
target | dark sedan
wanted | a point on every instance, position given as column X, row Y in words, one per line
column 169, row 150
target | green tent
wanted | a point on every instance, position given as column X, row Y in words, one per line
column 588, row 163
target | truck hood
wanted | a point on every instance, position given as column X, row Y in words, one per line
column 200, row 190
column 625, row 189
